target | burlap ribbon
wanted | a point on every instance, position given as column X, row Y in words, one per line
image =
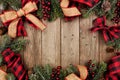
column 13, row 17
column 69, row 11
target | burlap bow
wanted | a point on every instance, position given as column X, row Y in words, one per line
column 12, row 18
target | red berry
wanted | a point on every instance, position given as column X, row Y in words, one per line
column 58, row 73
column 93, row 75
column 43, row 7
column 48, row 16
column 44, row 15
column 49, row 9
column 93, row 65
column 52, row 75
column 57, row 78
column 59, row 67
column 43, row 2
column 48, row 3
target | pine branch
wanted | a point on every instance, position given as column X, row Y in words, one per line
column 16, row 45
column 15, row 4
column 115, row 43
column 100, row 71
column 111, row 13
column 10, row 76
column 41, row 73
column 56, row 10
column 99, row 11
column 1, row 59
column 91, row 9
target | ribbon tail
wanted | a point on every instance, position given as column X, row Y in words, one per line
column 71, row 12
column 35, row 21
column 14, row 62
column 12, row 29
column 106, row 38
column 89, row 3
column 20, row 29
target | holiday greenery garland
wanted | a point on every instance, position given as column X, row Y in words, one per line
column 51, row 10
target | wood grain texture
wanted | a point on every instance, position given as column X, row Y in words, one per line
column 51, row 43
column 89, row 42
column 69, row 42
column 29, row 52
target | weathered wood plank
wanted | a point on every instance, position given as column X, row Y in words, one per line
column 89, row 42
column 29, row 52
column 51, row 44
column 69, row 42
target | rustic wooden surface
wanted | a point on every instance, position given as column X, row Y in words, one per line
column 64, row 43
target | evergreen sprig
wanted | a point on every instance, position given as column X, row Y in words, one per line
column 15, row 4
column 99, row 11
column 10, row 76
column 56, row 10
column 16, row 45
column 115, row 43
column 44, row 73
column 102, row 67
column 96, row 70
column 41, row 73
column 71, row 69
column 1, row 59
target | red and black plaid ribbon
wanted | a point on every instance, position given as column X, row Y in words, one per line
column 114, row 69
column 14, row 62
column 20, row 29
column 89, row 3
column 109, row 32
column 25, row 1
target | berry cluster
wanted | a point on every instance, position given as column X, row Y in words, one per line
column 46, row 6
column 91, row 69
column 55, row 73
column 116, row 19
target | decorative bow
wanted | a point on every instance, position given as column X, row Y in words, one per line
column 72, row 10
column 109, row 33
column 114, row 69
column 14, row 62
column 14, row 19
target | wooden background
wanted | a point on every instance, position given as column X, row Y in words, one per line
column 64, row 43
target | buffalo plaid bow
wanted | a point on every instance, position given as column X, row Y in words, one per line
column 114, row 69
column 109, row 33
column 14, row 62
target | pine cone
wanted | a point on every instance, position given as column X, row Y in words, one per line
column 106, row 6
column 110, row 49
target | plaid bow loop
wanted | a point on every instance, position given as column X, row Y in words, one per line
column 89, row 3
column 15, row 63
column 114, row 69
column 109, row 33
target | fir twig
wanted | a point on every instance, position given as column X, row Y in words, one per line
column 56, row 10
column 15, row 4
column 100, row 71
column 16, row 45
column 90, row 10
column 10, row 76
column 41, row 73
